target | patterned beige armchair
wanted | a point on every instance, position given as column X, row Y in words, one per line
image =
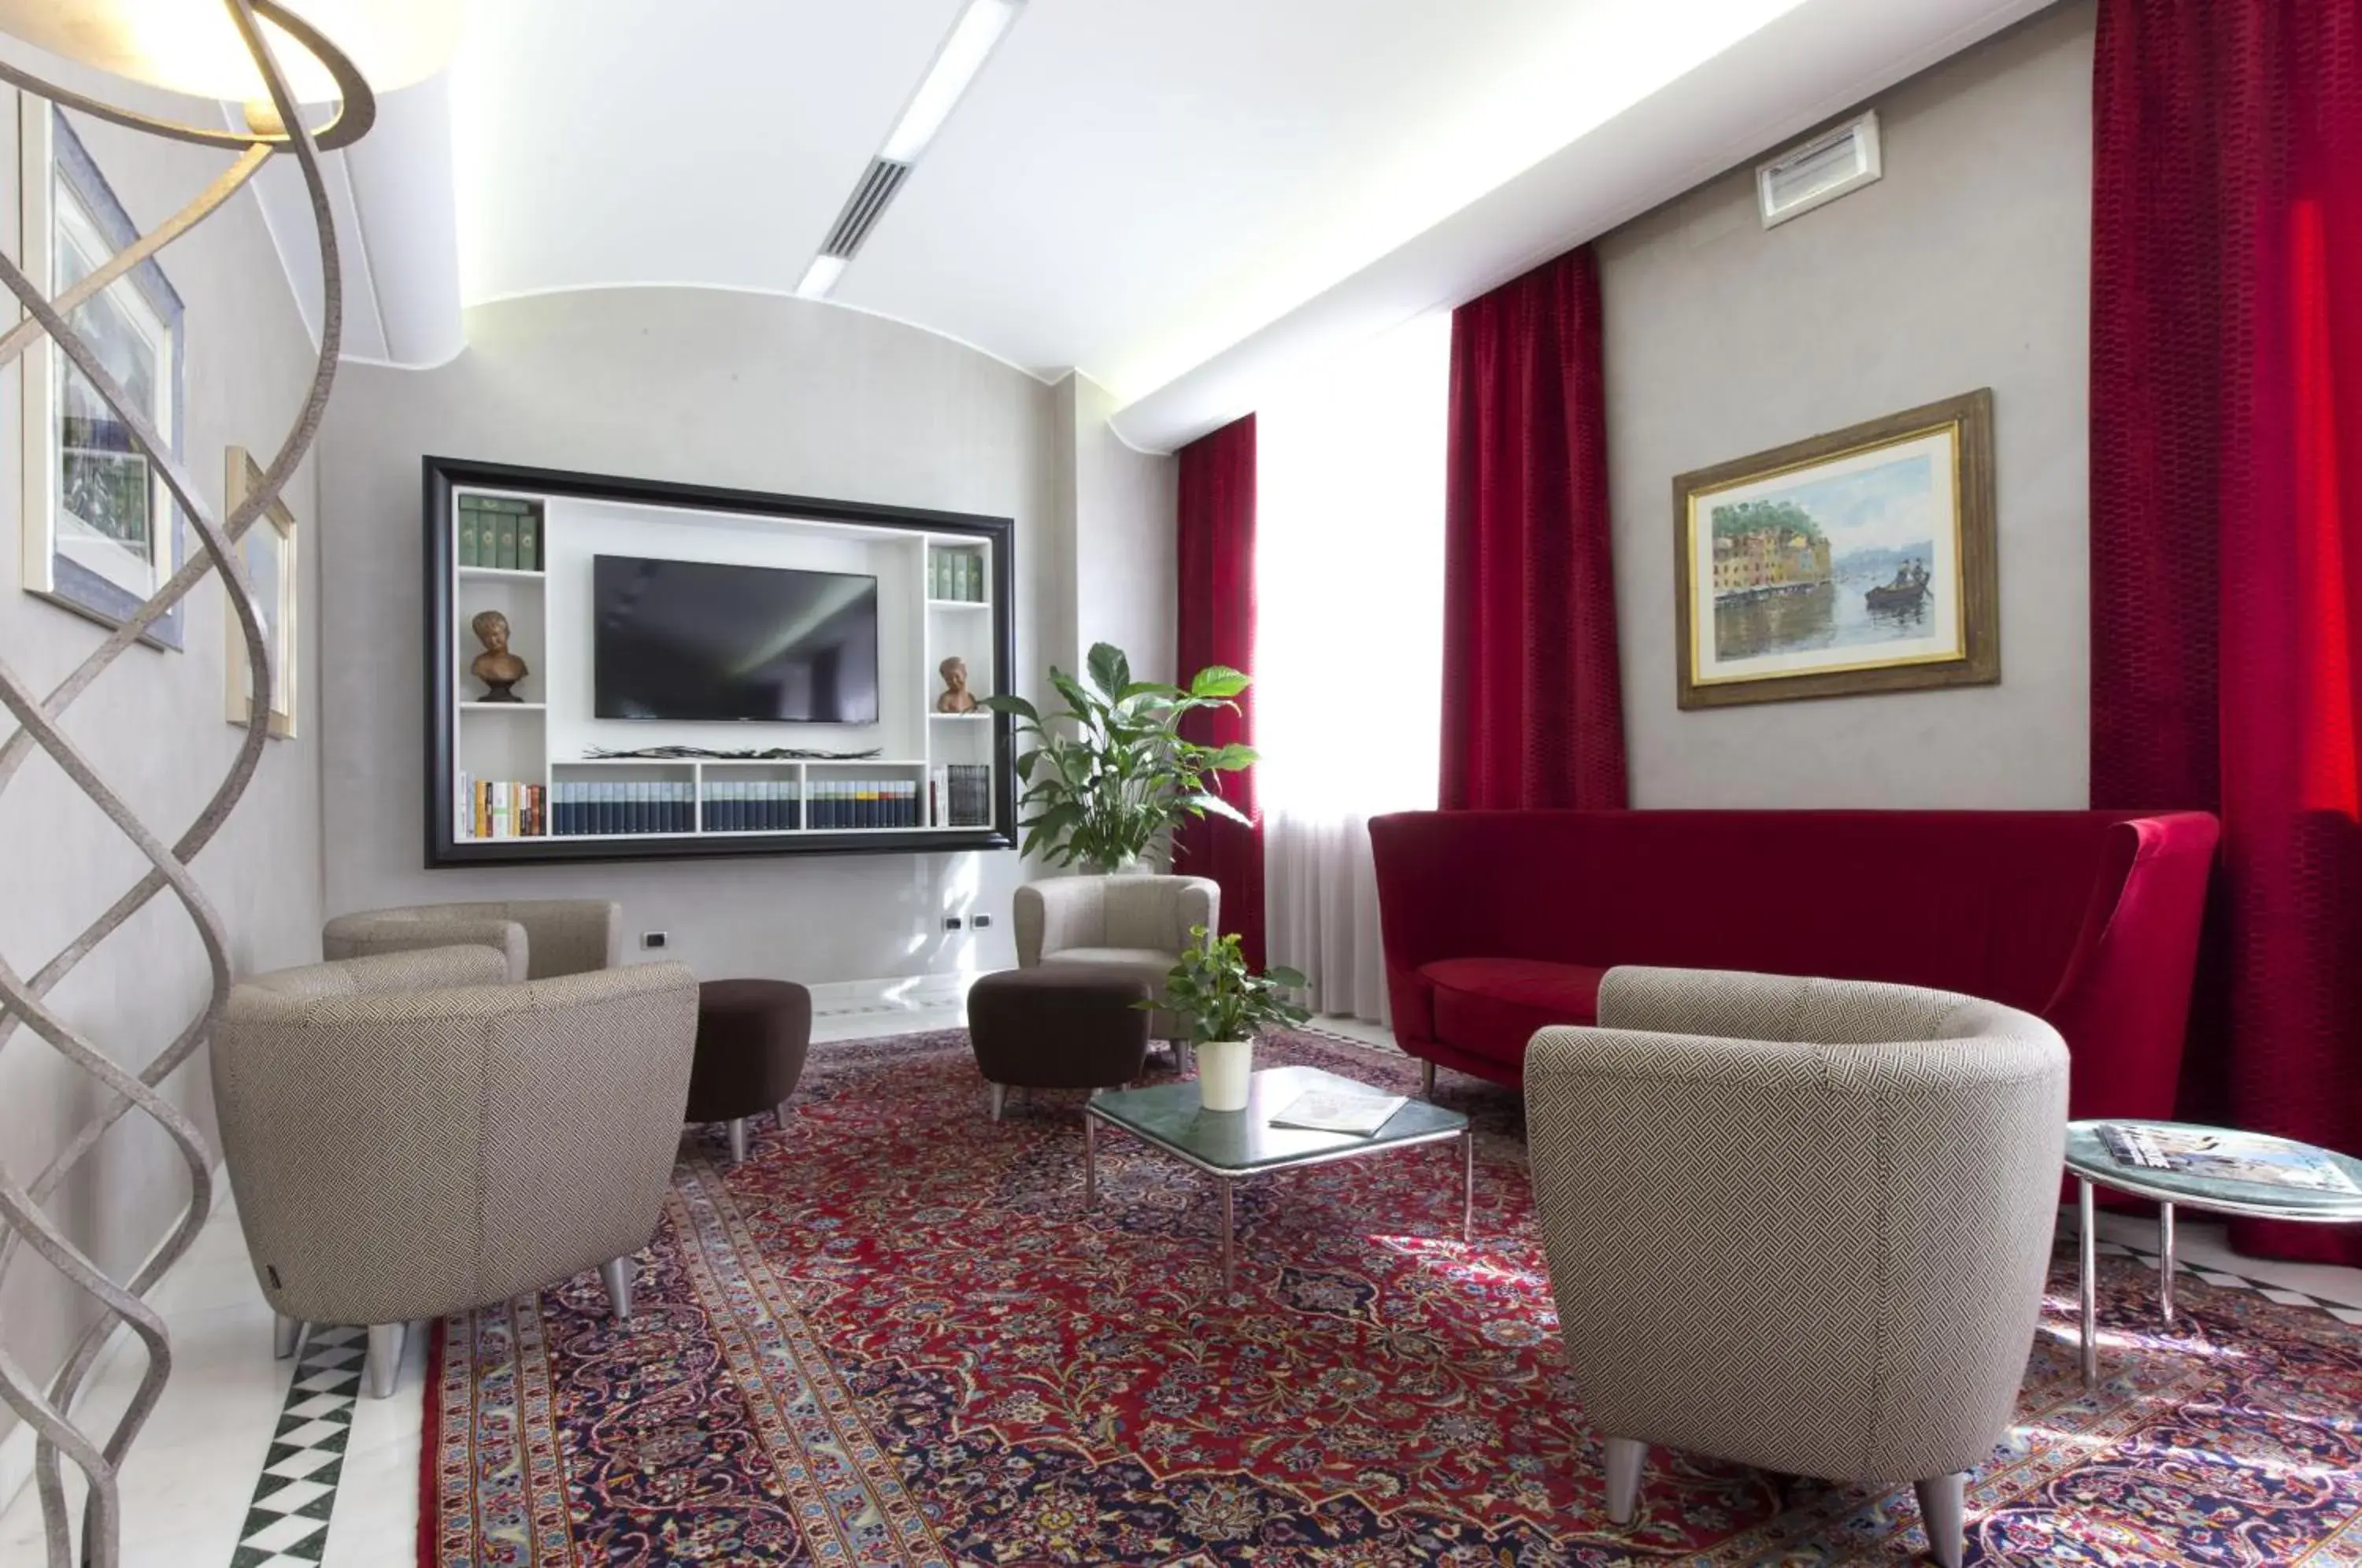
column 409, row 1134
column 1134, row 925
column 543, row 938
column 1800, row 1224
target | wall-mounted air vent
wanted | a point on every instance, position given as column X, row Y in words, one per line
column 1819, row 171
column 863, row 209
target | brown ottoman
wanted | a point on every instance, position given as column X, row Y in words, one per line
column 750, row 1039
column 1057, row 1027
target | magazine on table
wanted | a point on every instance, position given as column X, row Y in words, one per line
column 2223, row 1155
column 1327, row 1111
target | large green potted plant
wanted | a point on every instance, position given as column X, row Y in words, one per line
column 1109, row 776
column 1226, row 1005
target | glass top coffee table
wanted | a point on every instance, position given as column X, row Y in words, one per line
column 2095, row 1164
column 1231, row 1145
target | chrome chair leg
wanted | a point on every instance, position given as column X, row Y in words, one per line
column 1943, row 1509
column 737, row 1140
column 286, row 1336
column 384, row 1358
column 616, row 1273
column 999, row 1098
column 1427, row 1080
column 1624, row 1456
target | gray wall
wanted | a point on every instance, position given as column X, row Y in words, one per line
column 754, row 390
column 155, row 727
column 1967, row 265
column 1126, row 578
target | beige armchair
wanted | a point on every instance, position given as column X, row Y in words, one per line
column 1800, row 1224
column 1137, row 926
column 409, row 1134
column 543, row 938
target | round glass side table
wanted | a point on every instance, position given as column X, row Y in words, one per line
column 2096, row 1167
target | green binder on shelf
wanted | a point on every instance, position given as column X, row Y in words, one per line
column 469, row 522
column 529, row 541
column 506, row 557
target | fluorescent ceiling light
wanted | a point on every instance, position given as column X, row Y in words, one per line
column 964, row 53
column 821, row 277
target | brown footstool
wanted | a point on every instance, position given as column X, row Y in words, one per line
column 750, row 1039
column 1057, row 1027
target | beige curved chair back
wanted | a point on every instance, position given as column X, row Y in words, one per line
column 409, row 1134
column 542, row 938
column 1136, row 925
column 1802, row 1224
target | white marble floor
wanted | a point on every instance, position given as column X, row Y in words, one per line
column 190, row 1480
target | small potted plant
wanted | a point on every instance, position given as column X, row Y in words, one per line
column 1226, row 1005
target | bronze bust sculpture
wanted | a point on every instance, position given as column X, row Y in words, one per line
column 956, row 698
column 498, row 668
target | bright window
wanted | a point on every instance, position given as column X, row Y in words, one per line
column 1349, row 579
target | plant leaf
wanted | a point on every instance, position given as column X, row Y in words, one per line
column 1016, row 705
column 1218, row 680
column 1111, row 671
column 1203, row 803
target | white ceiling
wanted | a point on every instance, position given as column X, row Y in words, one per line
column 1177, row 199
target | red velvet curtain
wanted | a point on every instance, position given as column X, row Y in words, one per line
column 1217, row 553
column 1533, row 712
column 2227, row 518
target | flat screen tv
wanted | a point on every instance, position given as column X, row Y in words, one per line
column 701, row 641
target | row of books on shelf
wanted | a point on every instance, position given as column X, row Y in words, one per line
column 503, row 809
column 961, row 795
column 955, row 574
column 958, row 796
column 500, row 531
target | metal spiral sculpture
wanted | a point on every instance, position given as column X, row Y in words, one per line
column 23, row 1202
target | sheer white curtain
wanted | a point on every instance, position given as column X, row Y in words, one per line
column 1349, row 641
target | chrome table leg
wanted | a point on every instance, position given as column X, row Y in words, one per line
column 1090, row 1161
column 2164, row 1260
column 1229, row 1265
column 1468, row 1200
column 2089, row 1246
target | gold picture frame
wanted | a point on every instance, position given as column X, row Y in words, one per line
column 271, row 553
column 1863, row 561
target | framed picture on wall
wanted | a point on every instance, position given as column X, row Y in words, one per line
column 1858, row 562
column 269, row 552
column 101, row 529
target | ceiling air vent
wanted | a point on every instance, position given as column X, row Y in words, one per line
column 864, row 206
column 1819, row 171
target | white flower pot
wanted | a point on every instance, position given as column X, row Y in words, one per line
column 1225, row 1069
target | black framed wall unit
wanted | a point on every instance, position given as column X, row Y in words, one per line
column 614, row 594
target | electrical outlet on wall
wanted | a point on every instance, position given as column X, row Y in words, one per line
column 652, row 940
column 951, row 923
column 981, row 922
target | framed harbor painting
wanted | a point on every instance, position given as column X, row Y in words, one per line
column 102, row 531
column 1858, row 562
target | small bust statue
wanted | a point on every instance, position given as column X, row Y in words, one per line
column 498, row 668
column 956, row 698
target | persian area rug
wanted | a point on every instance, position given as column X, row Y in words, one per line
column 893, row 1337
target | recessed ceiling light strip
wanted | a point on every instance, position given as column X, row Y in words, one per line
column 968, row 46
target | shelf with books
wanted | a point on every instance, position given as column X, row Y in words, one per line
column 504, row 707
column 467, row 574
column 499, row 533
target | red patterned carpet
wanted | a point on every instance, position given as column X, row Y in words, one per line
column 893, row 1338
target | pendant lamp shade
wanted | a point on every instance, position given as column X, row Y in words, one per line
column 193, row 46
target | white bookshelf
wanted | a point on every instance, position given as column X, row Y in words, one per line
column 612, row 807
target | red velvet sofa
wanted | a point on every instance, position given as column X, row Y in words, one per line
column 1497, row 923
